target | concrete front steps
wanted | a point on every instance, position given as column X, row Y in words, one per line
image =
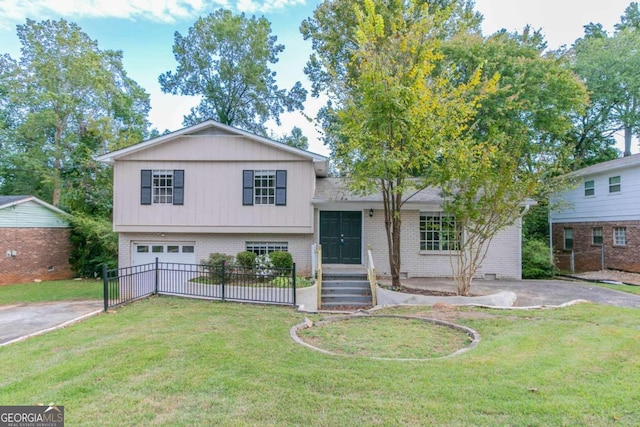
column 345, row 288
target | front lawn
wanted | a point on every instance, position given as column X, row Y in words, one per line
column 56, row 290
column 171, row 361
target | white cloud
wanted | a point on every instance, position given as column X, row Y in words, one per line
column 16, row 11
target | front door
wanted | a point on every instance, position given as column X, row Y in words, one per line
column 341, row 237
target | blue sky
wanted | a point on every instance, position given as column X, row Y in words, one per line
column 144, row 31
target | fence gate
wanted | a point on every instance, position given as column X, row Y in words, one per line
column 224, row 282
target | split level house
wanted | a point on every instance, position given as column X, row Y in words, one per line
column 595, row 224
column 213, row 188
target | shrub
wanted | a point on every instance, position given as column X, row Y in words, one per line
column 93, row 244
column 285, row 282
column 535, row 260
column 214, row 262
column 281, row 259
column 264, row 265
column 246, row 259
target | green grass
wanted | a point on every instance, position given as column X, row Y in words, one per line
column 57, row 290
column 385, row 337
column 632, row 289
column 182, row 362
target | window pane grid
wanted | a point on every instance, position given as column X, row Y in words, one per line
column 439, row 232
column 597, row 236
column 264, row 248
column 162, row 186
column 264, row 187
column 619, row 236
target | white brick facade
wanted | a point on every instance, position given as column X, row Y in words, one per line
column 230, row 244
column 503, row 258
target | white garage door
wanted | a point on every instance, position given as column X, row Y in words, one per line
column 181, row 252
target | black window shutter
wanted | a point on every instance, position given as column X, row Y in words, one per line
column 145, row 187
column 281, row 188
column 247, row 188
column 178, row 187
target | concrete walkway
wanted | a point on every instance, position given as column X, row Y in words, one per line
column 20, row 321
column 531, row 293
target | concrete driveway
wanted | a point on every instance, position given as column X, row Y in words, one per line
column 537, row 292
column 20, row 321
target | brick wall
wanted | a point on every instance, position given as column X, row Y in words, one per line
column 41, row 253
column 503, row 258
column 587, row 256
column 230, row 244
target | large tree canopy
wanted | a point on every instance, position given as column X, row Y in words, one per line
column 395, row 104
column 518, row 140
column 609, row 66
column 416, row 101
column 61, row 93
column 225, row 60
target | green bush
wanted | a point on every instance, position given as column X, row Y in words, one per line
column 246, row 259
column 93, row 244
column 285, row 282
column 535, row 260
column 281, row 259
column 214, row 262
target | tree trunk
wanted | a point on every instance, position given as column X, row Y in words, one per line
column 627, row 140
column 392, row 224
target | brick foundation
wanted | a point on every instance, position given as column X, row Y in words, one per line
column 41, row 253
column 588, row 257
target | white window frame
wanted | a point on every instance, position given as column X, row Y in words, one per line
column 162, row 186
column 615, row 184
column 264, row 187
column 568, row 237
column 436, row 238
column 265, row 248
column 596, row 232
column 619, row 236
column 589, row 188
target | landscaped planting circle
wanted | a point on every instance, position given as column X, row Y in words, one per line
column 386, row 337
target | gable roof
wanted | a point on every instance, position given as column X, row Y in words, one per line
column 321, row 163
column 608, row 166
column 8, row 201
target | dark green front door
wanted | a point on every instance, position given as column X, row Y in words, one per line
column 341, row 237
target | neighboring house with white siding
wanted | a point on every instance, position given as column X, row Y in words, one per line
column 34, row 241
column 595, row 224
column 213, row 188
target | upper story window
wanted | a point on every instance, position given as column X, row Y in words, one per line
column 614, row 184
column 160, row 186
column 589, row 188
column 596, row 236
column 568, row 238
column 619, row 236
column 439, row 232
column 264, row 187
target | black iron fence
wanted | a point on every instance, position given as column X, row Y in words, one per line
column 224, row 282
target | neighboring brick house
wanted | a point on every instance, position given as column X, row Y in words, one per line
column 596, row 223
column 34, row 241
column 213, row 188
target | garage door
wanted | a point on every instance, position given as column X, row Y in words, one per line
column 181, row 252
